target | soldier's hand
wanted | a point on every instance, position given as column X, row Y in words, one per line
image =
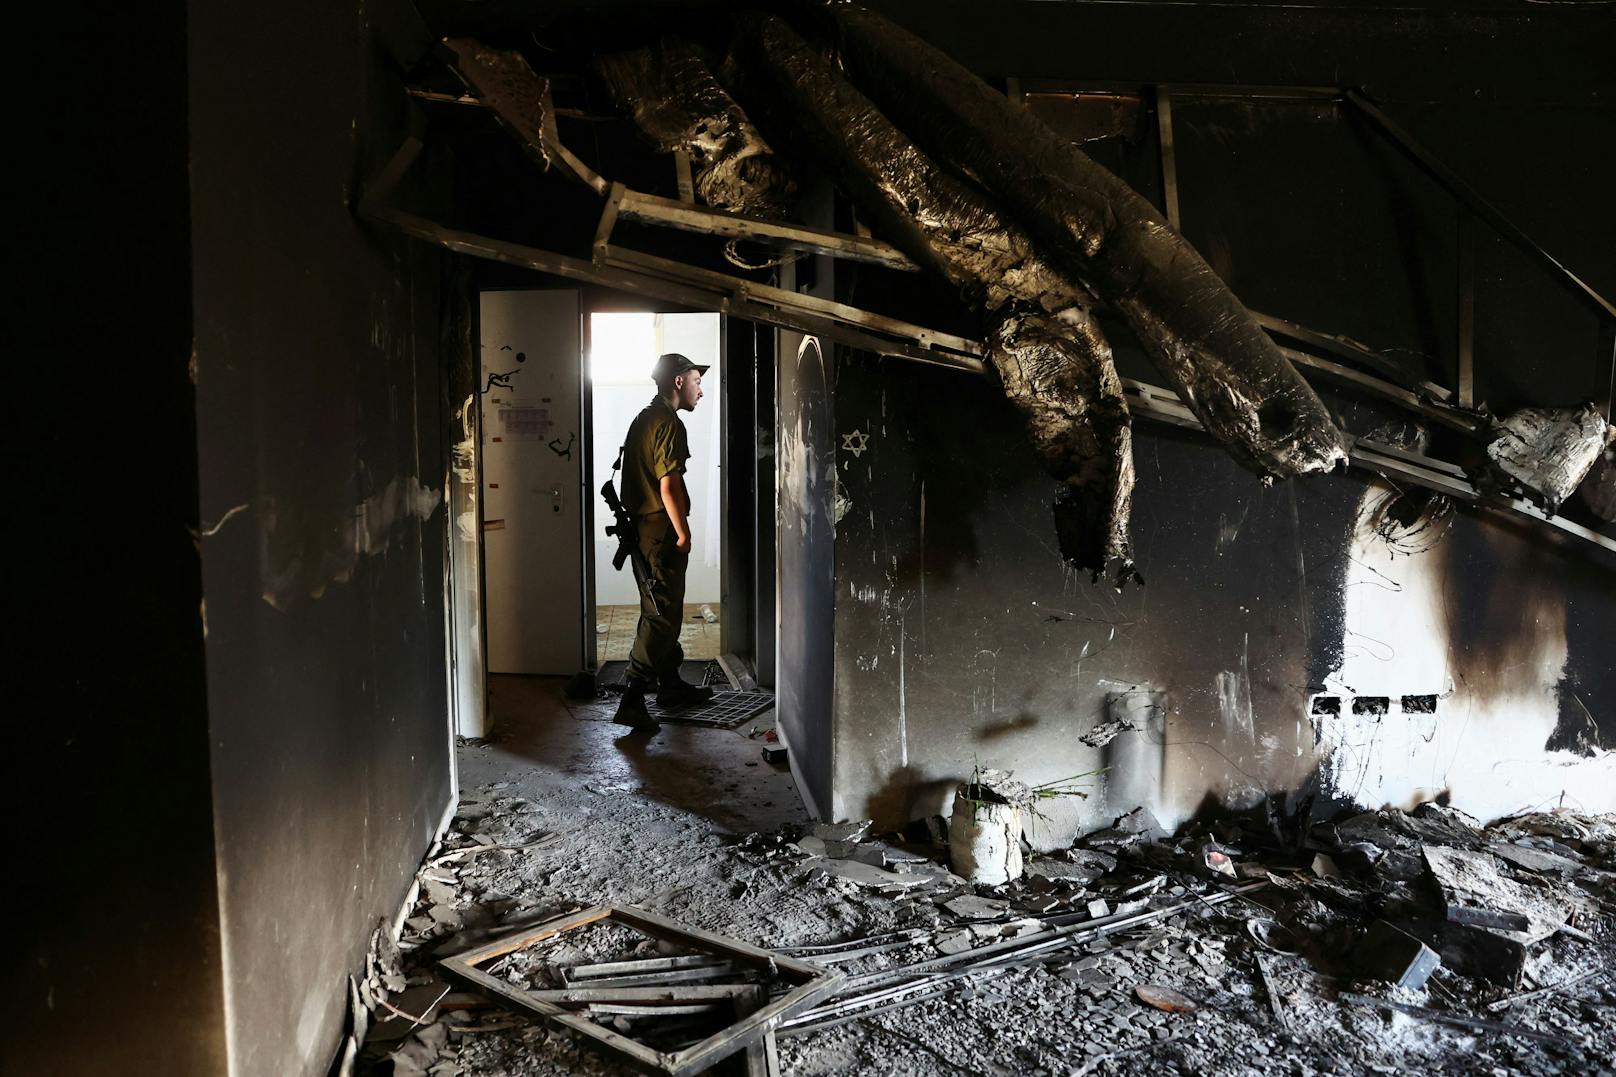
column 682, row 543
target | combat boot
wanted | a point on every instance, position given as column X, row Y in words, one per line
column 631, row 708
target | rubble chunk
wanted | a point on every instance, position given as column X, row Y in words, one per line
column 971, row 907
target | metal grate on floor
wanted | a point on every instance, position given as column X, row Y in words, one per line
column 725, row 710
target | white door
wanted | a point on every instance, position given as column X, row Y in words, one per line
column 533, row 460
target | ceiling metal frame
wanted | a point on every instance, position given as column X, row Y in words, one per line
column 639, row 273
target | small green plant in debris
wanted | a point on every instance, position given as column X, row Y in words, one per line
column 989, row 786
column 1060, row 787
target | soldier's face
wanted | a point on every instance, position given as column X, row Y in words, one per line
column 687, row 387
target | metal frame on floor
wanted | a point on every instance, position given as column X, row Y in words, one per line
column 753, row 1032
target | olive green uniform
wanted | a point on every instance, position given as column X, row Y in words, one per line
column 656, row 446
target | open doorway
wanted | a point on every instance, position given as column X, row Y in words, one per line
column 622, row 349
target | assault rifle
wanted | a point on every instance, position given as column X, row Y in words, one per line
column 628, row 537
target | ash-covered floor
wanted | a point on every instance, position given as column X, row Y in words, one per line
column 564, row 810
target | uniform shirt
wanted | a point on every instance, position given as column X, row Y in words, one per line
column 655, row 446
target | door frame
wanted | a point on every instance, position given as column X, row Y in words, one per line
column 737, row 630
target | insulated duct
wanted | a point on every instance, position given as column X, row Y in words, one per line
column 1054, row 364
column 673, row 98
column 1091, row 224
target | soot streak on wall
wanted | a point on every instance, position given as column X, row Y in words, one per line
column 806, row 479
column 961, row 639
column 319, row 409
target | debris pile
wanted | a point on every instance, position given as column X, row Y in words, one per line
column 1381, row 941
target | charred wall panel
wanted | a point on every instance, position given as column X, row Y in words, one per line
column 115, row 967
column 806, row 482
column 962, row 637
column 319, row 416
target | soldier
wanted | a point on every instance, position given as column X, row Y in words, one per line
column 654, row 494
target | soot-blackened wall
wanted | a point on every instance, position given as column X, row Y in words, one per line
column 961, row 639
column 322, row 463
column 806, row 479
column 117, row 969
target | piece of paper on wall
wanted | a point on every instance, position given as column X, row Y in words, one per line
column 526, row 424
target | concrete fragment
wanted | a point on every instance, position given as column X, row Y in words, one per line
column 1063, row 871
column 1099, row 908
column 1531, row 859
column 812, row 846
column 867, row 875
column 1106, row 732
column 971, row 907
column 1473, row 879
column 1141, row 821
column 854, row 831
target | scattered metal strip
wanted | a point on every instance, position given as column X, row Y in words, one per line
column 844, row 1018
column 1449, row 1018
column 1274, row 1002
column 1169, row 164
column 1162, row 404
column 659, row 979
column 1352, row 352
column 678, row 993
column 877, row 987
column 809, row 984
column 1507, row 921
column 1505, row 1003
column 651, row 209
column 503, row 81
column 909, row 934
column 669, row 280
column 1068, row 87
column 839, row 956
column 629, row 1009
column 650, row 964
column 1461, row 190
column 1451, row 417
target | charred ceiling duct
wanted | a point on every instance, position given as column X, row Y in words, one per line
column 676, row 102
column 1199, row 335
column 968, row 184
column 1550, row 450
column 1051, row 358
column 1060, row 375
